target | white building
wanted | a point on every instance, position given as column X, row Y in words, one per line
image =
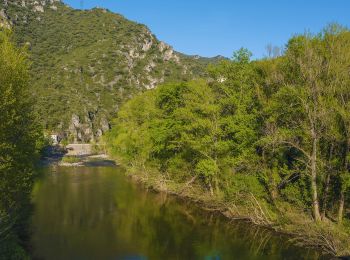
column 55, row 139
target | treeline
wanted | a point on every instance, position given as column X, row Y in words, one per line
column 275, row 128
column 20, row 139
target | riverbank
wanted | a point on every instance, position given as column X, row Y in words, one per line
column 331, row 239
column 298, row 225
column 80, row 156
column 97, row 160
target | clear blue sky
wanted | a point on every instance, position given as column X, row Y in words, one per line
column 218, row 27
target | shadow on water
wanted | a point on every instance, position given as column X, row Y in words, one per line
column 97, row 213
column 52, row 155
column 99, row 163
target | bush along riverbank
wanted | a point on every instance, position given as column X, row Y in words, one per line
column 263, row 140
column 20, row 142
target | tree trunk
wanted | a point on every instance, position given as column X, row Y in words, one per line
column 325, row 196
column 216, row 185
column 273, row 186
column 342, row 193
column 271, row 171
column 326, row 186
column 211, row 189
column 315, row 206
column 341, row 207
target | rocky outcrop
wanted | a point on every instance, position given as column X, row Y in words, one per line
column 35, row 5
column 5, row 22
column 168, row 52
column 22, row 9
column 88, row 128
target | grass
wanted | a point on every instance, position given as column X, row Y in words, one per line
column 70, row 159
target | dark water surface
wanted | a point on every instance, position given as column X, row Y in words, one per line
column 97, row 213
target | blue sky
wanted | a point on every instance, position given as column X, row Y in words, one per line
column 218, row 27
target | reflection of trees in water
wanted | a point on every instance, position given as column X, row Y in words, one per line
column 258, row 241
column 97, row 211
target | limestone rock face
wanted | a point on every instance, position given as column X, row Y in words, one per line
column 5, row 22
column 17, row 11
column 35, row 5
column 147, row 44
column 81, row 129
column 168, row 52
column 38, row 8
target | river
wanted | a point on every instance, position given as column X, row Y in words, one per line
column 98, row 213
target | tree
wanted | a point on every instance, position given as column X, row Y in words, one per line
column 336, row 42
column 237, row 100
column 298, row 108
column 20, row 136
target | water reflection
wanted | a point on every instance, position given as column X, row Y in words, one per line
column 96, row 213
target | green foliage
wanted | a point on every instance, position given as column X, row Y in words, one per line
column 207, row 169
column 245, row 184
column 242, row 56
column 306, row 126
column 276, row 129
column 11, row 250
column 20, row 142
column 188, row 129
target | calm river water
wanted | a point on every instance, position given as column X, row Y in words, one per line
column 97, row 213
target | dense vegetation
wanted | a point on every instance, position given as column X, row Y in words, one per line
column 267, row 139
column 86, row 63
column 20, row 139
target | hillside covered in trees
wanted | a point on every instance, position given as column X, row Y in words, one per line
column 86, row 63
column 266, row 140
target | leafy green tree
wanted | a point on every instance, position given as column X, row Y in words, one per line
column 130, row 137
column 336, row 46
column 235, row 91
column 200, row 137
column 20, row 136
column 307, row 116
